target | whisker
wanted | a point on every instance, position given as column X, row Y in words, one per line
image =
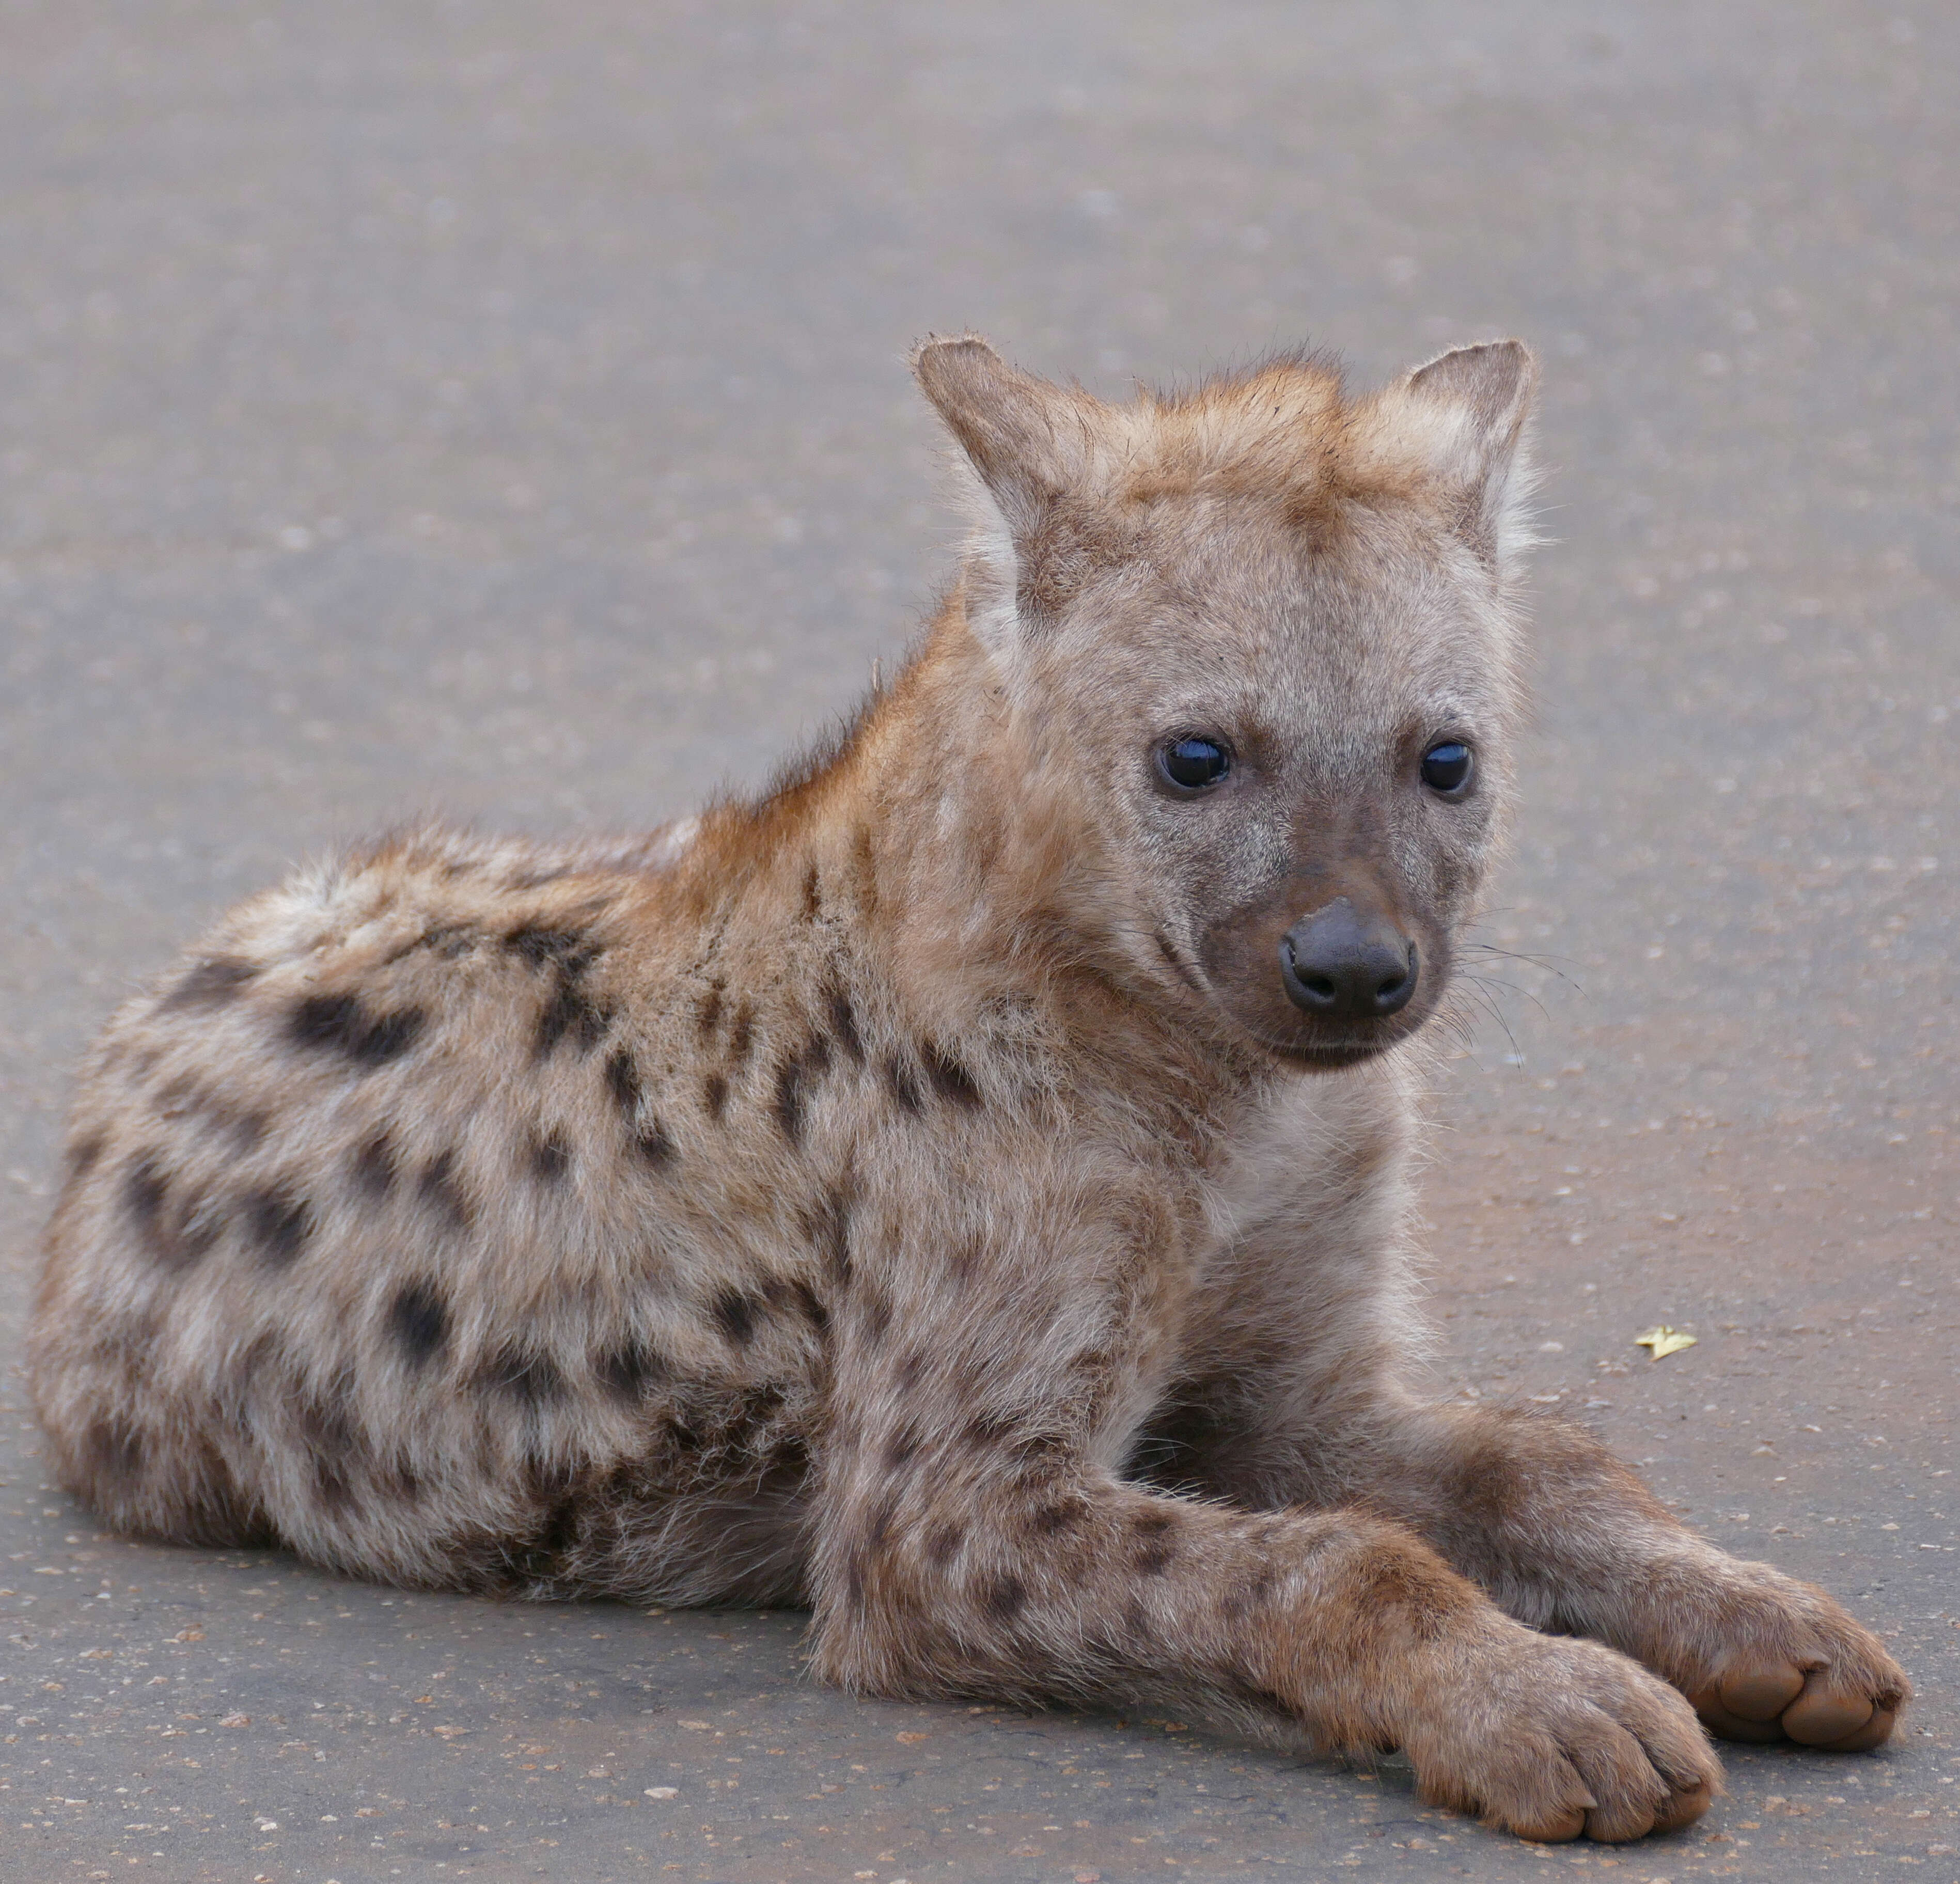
column 1547, row 963
column 1473, row 986
column 1489, row 981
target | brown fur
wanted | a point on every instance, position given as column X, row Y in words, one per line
column 914, row 1193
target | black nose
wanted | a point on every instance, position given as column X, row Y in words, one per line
column 1339, row 965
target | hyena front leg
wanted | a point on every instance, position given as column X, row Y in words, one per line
column 1291, row 1399
column 1566, row 1537
column 971, row 1539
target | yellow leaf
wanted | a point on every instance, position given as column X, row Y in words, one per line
column 1664, row 1340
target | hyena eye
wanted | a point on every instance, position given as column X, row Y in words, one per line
column 1445, row 767
column 1192, row 764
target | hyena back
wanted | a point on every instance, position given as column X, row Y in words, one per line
column 964, row 1189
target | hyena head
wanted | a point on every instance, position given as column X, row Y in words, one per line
column 1260, row 643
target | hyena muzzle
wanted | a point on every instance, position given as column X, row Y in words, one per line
column 964, row 1189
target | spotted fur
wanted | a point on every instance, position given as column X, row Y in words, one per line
column 912, row 1193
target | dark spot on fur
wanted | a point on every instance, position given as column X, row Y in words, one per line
column 376, row 1166
column 1045, row 1521
column 570, row 1011
column 339, row 1023
column 902, row 1083
column 877, row 1317
column 566, row 954
column 1003, row 1599
column 331, row 1446
column 901, row 1447
column 735, row 1314
column 950, row 1079
column 944, row 1545
column 989, row 1429
column 843, row 1019
column 279, row 1222
column 82, row 1156
column 175, row 1235
column 812, row 901
column 546, row 947
column 882, row 1520
column 543, row 1555
column 1154, row 1562
column 1255, row 1592
column 905, row 1376
column 211, row 984
column 853, row 1580
column 418, row 1319
column 186, row 1097
column 797, row 1080
column 182, row 1096
column 714, row 1095
column 707, row 1016
column 813, row 1310
column 439, row 1187
column 529, row 1378
column 630, row 1369
column 218, row 1514
column 864, row 867
column 551, row 1158
column 653, row 1144
column 741, row 1037
column 111, row 1457
column 622, row 1081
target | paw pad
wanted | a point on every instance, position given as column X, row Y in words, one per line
column 1817, row 1709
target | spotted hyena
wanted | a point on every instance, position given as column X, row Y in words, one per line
column 964, row 1189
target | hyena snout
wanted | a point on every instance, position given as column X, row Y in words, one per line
column 1346, row 963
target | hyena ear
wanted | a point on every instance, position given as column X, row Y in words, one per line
column 1474, row 406
column 1029, row 443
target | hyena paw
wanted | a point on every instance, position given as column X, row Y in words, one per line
column 1551, row 1738
column 1788, row 1664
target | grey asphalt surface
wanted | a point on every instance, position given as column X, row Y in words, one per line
column 501, row 409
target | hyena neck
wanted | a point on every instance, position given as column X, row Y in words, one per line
column 997, row 895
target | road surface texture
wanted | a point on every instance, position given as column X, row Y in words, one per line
column 501, row 408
